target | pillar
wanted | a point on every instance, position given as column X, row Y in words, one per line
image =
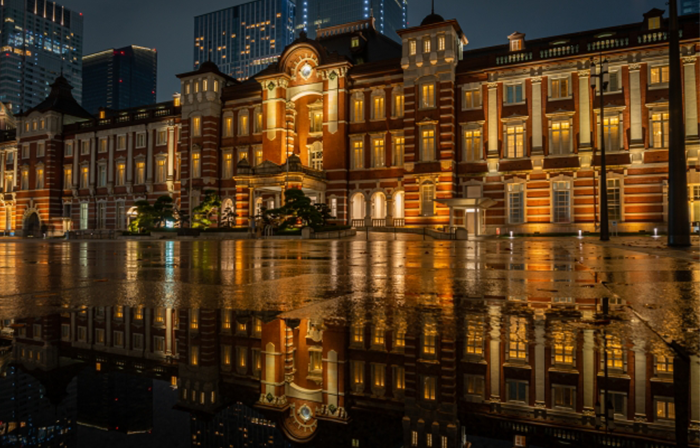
column 537, row 147
column 495, row 352
column 110, row 166
column 636, row 134
column 149, row 159
column 493, row 120
column 76, row 167
column 129, row 161
column 589, row 370
column 640, row 382
column 93, row 150
column 584, row 108
column 690, row 86
column 368, row 212
column 2, row 171
column 171, row 154
column 540, row 373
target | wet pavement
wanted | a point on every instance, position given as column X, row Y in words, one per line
column 384, row 342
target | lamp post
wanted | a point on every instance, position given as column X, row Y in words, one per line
column 602, row 79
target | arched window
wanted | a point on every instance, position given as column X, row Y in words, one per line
column 378, row 205
column 358, row 206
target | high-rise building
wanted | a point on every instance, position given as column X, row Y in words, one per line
column 244, row 39
column 39, row 41
column 120, row 78
column 390, row 15
column 690, row 7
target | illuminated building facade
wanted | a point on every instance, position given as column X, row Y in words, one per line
column 120, row 78
column 40, row 40
column 418, row 134
column 391, row 15
column 243, row 39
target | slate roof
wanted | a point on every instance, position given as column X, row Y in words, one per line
column 60, row 100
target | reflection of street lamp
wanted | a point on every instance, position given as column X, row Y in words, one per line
column 608, row 410
column 602, row 79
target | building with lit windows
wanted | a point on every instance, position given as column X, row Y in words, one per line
column 243, row 39
column 120, row 78
column 391, row 15
column 39, row 41
column 417, row 134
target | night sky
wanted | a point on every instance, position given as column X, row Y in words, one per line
column 168, row 25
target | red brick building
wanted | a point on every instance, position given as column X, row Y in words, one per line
column 421, row 133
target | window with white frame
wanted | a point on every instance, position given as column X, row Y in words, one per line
column 258, row 120
column 25, row 151
column 315, row 121
column 441, row 42
column 663, row 365
column 429, row 388
column 101, row 215
column 427, row 143
column 427, row 95
column 358, row 154
column 161, row 137
column 24, row 182
column 560, row 137
column 121, row 174
column 316, row 156
column 514, row 93
column 427, row 196
column 564, row 397
column 140, row 173
column 515, row 141
column 471, row 99
column 474, row 386
column 196, row 126
column 84, row 147
column 659, row 130
column 658, row 75
column 121, row 142
column 472, row 144
column 412, row 47
column 84, row 176
column 141, row 140
column 228, row 165
column 398, row 103
column 40, row 149
column 615, row 353
column 612, row 131
column 228, row 126
column 516, row 203
column 399, row 144
column 258, row 153
column 563, row 344
column 561, row 192
column 243, row 122
column 67, row 177
column 426, row 45
column 39, row 177
column 615, row 84
column 378, row 107
column 517, row 391
column 68, row 151
column 160, row 170
column 614, row 200
column 358, row 107
column 665, row 408
column 196, row 165
column 102, row 175
column 559, row 87
column 618, row 401
column 83, row 215
column 378, row 152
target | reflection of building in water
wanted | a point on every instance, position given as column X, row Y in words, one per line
column 493, row 366
column 238, row 425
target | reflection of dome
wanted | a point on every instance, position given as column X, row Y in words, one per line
column 305, row 413
column 431, row 19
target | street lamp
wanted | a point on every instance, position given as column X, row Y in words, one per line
column 602, row 79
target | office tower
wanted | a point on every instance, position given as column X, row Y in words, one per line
column 120, row 78
column 39, row 41
column 689, row 7
column 390, row 15
column 244, row 39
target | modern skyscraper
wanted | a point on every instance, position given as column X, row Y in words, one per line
column 39, row 41
column 390, row 15
column 244, row 39
column 689, row 7
column 120, row 78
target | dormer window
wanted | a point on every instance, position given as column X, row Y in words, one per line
column 654, row 23
column 355, row 43
column 517, row 41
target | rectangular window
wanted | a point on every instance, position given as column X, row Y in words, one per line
column 137, row 341
column 378, row 337
column 441, row 42
column 159, row 344
column 665, row 408
column 564, row 397
column 611, row 126
column 399, row 378
column 25, row 151
column 83, row 216
column 559, row 88
column 517, row 344
column 427, row 196
column 561, row 138
column 378, row 110
column 399, row 150
column 39, row 181
column 121, row 174
column 67, row 178
column 226, row 355
column 515, row 141
column 358, row 109
column 427, row 97
column 334, row 207
column 65, row 332
column 140, row 173
column 160, row 171
column 517, row 391
column 412, row 47
column 358, row 334
column 474, row 385
column 562, row 201
column 378, row 152
column 228, row 165
column 162, row 137
column 228, row 126
column 399, row 104
column 516, row 203
column 84, row 177
column 618, row 401
column 429, row 339
column 25, row 179
column 427, row 145
column 316, row 121
column 194, row 320
column 358, row 373
column 141, row 140
column 472, row 145
column 474, row 342
column 614, row 201
column 472, row 98
column 241, row 357
column 69, row 149
column 429, row 387
column 658, row 75
column 358, row 154
column 315, row 361
column 121, row 142
column 258, row 123
column 659, row 130
column 426, row 45
column 194, row 355
column 615, row 353
column 197, row 126
column 664, row 364
column 514, row 93
column 99, row 336
column 258, row 157
column 196, row 167
column 82, row 334
column 103, row 145
column 563, row 348
column 118, row 339
column 85, row 147
column 40, row 149
column 243, row 125
column 102, row 175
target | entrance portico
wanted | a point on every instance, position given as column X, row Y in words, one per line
column 468, row 213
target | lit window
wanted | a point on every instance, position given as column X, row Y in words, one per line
column 358, row 373
column 429, row 339
column 315, row 361
column 399, row 150
column 194, row 355
column 472, row 98
column 140, row 173
column 228, row 126
column 39, row 181
column 615, row 352
column 355, row 42
column 196, row 166
column 121, row 142
column 399, row 378
column 378, row 152
column 258, row 124
column 197, row 126
column 474, row 385
column 84, row 177
column 427, row 144
column 162, row 138
column 516, row 212
column 429, row 388
column 472, row 145
column 316, row 121
column 228, row 165
column 358, row 334
column 561, row 138
column 427, row 196
column 474, row 343
column 654, row 23
column 67, row 178
column 194, row 320
column 659, row 75
column 515, row 141
column 563, row 347
column 428, row 95
column 426, row 45
column 160, row 170
column 441, row 42
column 358, row 154
column 378, row 111
column 664, row 364
column 562, row 201
column 399, row 101
column 559, row 88
column 121, row 174
column 665, row 409
column 516, row 45
column 412, row 47
column 659, row 130
column 358, row 108
column 517, row 344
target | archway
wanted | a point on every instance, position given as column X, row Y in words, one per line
column 357, row 206
column 130, row 216
column 399, row 205
column 378, row 205
column 32, row 225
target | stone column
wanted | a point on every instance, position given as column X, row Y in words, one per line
column 92, row 162
column 493, row 120
column 640, row 382
column 15, row 168
column 540, row 373
column 389, row 212
column 589, row 370
column 129, row 161
column 168, row 332
column 495, row 353
column 110, row 166
column 149, row 159
column 171, row 154
column 584, row 109
column 368, row 212
column 636, row 134
column 76, row 166
column 690, row 86
column 537, row 146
